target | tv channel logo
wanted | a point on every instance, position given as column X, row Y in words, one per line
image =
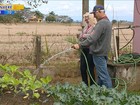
column 6, row 9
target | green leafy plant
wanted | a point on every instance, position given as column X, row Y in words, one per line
column 25, row 82
column 72, row 39
column 63, row 94
column 10, row 69
column 66, row 94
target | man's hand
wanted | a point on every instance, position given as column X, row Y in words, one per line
column 76, row 46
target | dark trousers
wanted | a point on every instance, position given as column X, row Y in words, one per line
column 83, row 67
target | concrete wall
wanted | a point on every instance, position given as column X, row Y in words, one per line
column 129, row 73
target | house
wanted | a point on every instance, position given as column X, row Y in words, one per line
column 30, row 16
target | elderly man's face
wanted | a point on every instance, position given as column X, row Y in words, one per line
column 96, row 14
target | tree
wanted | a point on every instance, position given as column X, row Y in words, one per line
column 52, row 13
column 32, row 3
column 51, row 17
column 17, row 17
column 114, row 21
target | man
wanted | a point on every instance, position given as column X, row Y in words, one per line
column 99, row 42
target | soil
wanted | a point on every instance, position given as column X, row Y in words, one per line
column 9, row 98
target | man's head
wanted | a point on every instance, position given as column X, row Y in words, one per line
column 98, row 11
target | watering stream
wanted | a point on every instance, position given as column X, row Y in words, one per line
column 41, row 65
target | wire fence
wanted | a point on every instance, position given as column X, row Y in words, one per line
column 20, row 49
column 122, row 41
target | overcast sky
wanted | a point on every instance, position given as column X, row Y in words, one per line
column 115, row 9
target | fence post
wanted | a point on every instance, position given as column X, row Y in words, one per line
column 38, row 51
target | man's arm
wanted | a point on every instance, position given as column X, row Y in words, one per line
column 93, row 37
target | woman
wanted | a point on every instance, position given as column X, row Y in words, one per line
column 88, row 29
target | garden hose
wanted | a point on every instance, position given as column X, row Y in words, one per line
column 129, row 59
column 130, row 39
column 116, row 79
column 88, row 68
column 124, row 83
column 118, row 82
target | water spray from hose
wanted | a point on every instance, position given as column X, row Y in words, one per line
column 41, row 65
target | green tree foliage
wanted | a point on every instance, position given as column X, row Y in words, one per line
column 32, row 3
column 17, row 17
column 114, row 21
column 51, row 17
column 52, row 13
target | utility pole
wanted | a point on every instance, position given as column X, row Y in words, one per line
column 136, row 40
column 85, row 8
column 101, row 2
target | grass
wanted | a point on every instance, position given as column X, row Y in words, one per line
column 134, row 92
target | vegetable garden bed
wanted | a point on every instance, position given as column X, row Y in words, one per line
column 23, row 88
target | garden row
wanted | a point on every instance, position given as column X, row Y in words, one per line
column 25, row 82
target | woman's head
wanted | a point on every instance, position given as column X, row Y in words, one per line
column 89, row 18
